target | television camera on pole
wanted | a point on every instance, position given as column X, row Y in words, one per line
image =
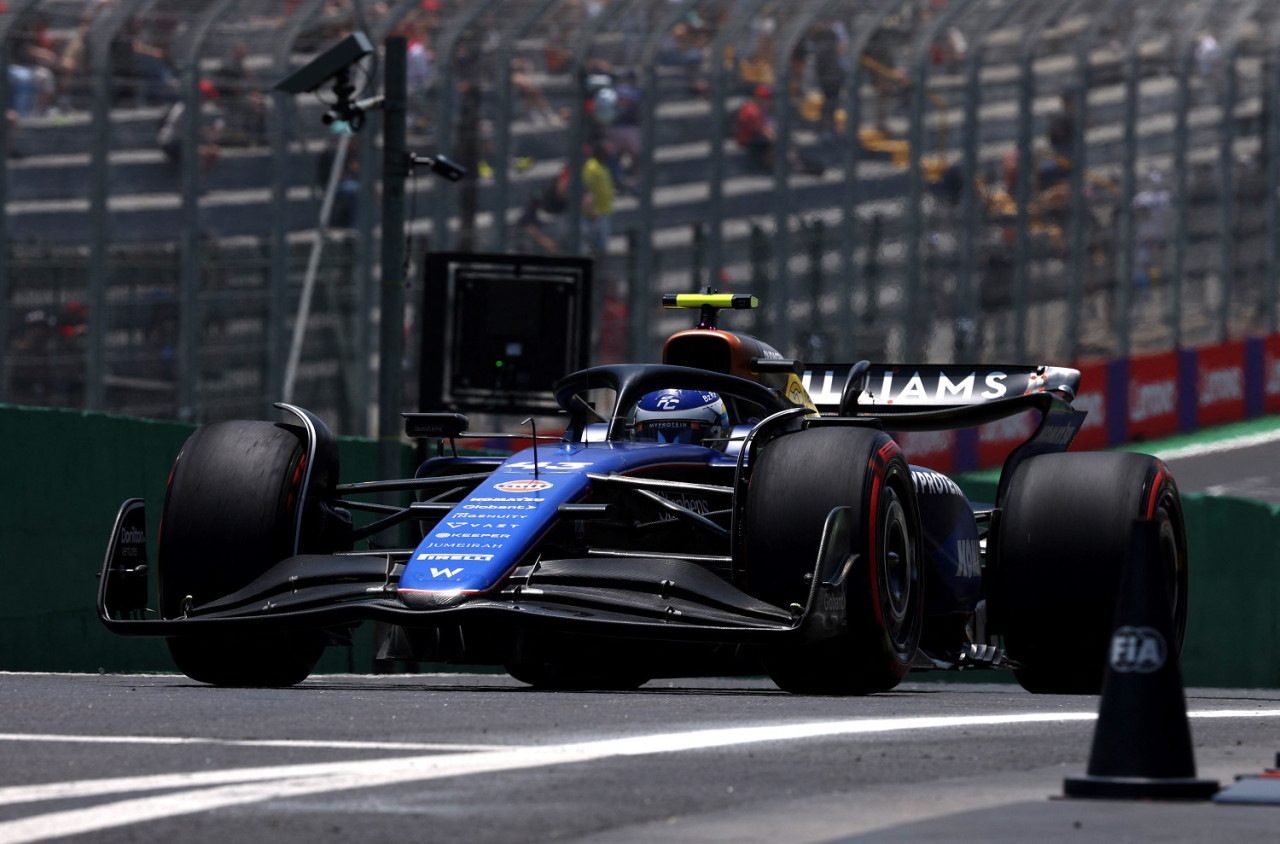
column 335, row 66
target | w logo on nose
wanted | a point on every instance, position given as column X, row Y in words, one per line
column 449, row 573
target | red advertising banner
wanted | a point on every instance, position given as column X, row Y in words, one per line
column 1093, row 399
column 1271, row 374
column 1220, row 384
column 997, row 439
column 1153, row 396
column 934, row 449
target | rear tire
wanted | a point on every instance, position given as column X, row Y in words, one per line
column 800, row 478
column 230, row 513
column 1064, row 537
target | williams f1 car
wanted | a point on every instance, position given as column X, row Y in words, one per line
column 728, row 511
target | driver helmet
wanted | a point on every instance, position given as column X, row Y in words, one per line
column 680, row 416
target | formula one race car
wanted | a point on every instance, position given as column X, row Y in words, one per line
column 728, row 511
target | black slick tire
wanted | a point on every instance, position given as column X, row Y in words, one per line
column 1064, row 536
column 230, row 513
column 800, row 479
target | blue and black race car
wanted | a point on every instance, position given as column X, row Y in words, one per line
column 728, row 511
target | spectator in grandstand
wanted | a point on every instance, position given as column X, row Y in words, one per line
column 1208, row 55
column 685, row 47
column 879, row 58
column 598, row 197
column 1061, row 128
column 530, row 93
column 623, row 133
column 754, row 131
column 209, row 149
column 830, row 43
column 242, row 101
column 73, row 59
column 419, row 68
column 1152, row 209
column 140, row 68
column 34, row 56
column 15, row 126
column 540, row 213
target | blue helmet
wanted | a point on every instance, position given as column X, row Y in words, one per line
column 680, row 416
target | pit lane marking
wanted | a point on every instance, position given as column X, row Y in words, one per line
column 209, row 790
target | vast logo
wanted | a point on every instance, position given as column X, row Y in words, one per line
column 522, row 486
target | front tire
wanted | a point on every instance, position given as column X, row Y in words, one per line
column 1064, row 537
column 230, row 513
column 799, row 480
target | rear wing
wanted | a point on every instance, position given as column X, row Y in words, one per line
column 904, row 388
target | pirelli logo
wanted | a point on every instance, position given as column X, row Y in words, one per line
column 457, row 558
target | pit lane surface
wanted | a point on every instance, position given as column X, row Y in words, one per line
column 481, row 758
column 1240, row 460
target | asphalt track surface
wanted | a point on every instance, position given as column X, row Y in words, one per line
column 481, row 758
column 1240, row 460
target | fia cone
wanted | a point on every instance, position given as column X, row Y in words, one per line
column 1142, row 742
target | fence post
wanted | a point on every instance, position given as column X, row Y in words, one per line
column 760, row 264
column 698, row 256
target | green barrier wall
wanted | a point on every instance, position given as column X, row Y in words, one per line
column 68, row 472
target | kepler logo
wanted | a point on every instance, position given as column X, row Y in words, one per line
column 1137, row 650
